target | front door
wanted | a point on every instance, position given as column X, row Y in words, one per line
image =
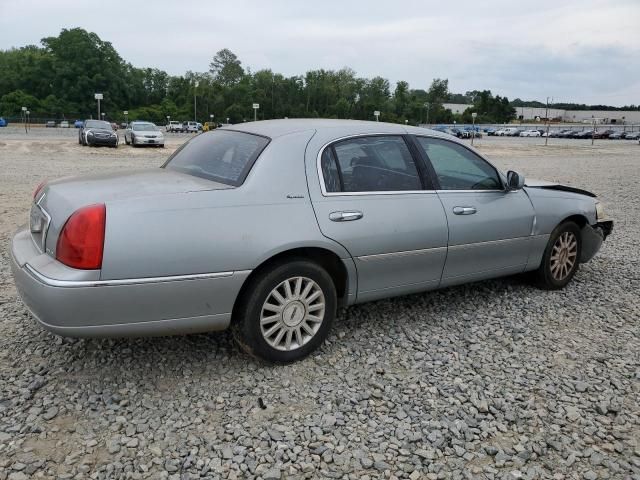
column 374, row 201
column 489, row 227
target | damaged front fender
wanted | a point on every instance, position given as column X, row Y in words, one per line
column 592, row 238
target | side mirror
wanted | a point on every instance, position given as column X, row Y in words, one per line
column 515, row 181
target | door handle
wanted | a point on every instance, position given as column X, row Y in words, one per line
column 464, row 210
column 346, row 216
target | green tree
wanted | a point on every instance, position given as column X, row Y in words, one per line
column 226, row 68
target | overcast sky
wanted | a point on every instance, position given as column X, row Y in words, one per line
column 584, row 51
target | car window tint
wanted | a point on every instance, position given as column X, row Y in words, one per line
column 377, row 163
column 457, row 168
column 330, row 171
column 222, row 156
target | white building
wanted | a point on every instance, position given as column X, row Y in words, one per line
column 573, row 116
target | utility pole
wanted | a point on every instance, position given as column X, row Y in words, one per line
column 546, row 138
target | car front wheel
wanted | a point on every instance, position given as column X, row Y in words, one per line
column 561, row 257
column 287, row 312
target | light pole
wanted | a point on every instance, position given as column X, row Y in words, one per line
column 256, row 106
column 24, row 118
column 126, row 116
column 98, row 97
column 473, row 129
column 377, row 115
column 195, row 102
column 227, row 120
column 103, row 114
column 546, row 138
column 210, row 120
column 428, row 105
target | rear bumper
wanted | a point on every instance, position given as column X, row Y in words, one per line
column 592, row 238
column 74, row 307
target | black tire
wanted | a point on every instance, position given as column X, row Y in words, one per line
column 133, row 142
column 545, row 277
column 79, row 140
column 246, row 323
column 125, row 140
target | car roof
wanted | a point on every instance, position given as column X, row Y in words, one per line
column 278, row 128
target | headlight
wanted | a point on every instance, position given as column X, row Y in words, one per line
column 90, row 133
column 599, row 211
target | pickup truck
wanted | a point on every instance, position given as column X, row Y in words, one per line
column 175, row 127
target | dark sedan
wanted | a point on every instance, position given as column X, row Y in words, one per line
column 97, row 132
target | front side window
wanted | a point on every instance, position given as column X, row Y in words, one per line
column 370, row 164
column 223, row 156
column 458, row 168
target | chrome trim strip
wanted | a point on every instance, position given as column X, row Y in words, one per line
column 470, row 191
column 478, row 244
column 52, row 282
column 384, row 256
column 351, row 194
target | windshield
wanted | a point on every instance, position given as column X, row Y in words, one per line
column 97, row 124
column 144, row 127
column 222, row 155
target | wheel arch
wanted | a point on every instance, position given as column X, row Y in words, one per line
column 337, row 268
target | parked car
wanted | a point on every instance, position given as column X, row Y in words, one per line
column 603, row 133
column 96, row 133
column 490, row 131
column 50, row 124
column 200, row 126
column 568, row 133
column 583, row 134
column 509, row 132
column 190, row 127
column 123, row 124
column 616, row 135
column 3, row 122
column 64, row 124
column 114, row 125
column 632, row 136
column 530, row 133
column 78, row 123
column 174, row 126
column 143, row 133
column 206, row 241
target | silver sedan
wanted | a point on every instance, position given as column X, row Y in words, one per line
column 269, row 227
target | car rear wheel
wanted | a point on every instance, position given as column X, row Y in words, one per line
column 561, row 257
column 126, row 140
column 287, row 312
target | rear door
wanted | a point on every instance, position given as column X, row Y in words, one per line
column 375, row 200
column 489, row 227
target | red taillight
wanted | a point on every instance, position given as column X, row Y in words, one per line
column 39, row 188
column 81, row 240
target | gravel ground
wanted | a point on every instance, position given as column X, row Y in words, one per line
column 490, row 380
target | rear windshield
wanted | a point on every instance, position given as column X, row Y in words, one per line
column 222, row 155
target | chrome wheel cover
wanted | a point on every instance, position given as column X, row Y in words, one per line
column 292, row 313
column 563, row 256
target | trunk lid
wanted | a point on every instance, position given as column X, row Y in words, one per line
column 60, row 198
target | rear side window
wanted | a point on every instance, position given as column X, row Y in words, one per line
column 370, row 164
column 222, row 155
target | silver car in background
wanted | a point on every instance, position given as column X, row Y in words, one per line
column 143, row 133
column 269, row 227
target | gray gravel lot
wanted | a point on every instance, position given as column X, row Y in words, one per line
column 490, row 380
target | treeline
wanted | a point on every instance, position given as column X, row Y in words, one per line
column 59, row 78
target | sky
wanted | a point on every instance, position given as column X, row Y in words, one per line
column 580, row 51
